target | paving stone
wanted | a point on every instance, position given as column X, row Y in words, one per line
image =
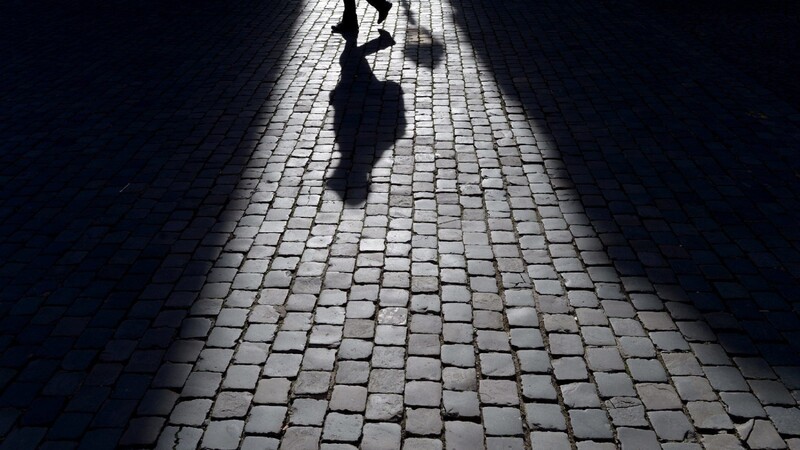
column 590, row 424
column 463, row 435
column 504, row 443
column 538, row 387
column 721, row 441
column 550, row 440
column 388, row 357
column 742, row 404
column 384, row 407
column 709, row 415
column 307, row 411
column 785, row 419
column 498, row 392
column 348, row 398
column 694, row 388
column 231, row 405
column 760, row 434
column 545, row 416
column 381, row 436
column 342, row 427
column 191, row 412
column 201, row 384
column 497, row 364
column 670, row 425
column 423, row 393
column 646, row 370
column 260, row 442
column 657, row 396
column 461, row 404
column 631, row 438
column 422, row 444
column 502, row 421
column 300, row 437
column 614, row 385
column 223, row 434
column 423, row 421
column 274, row 390
column 423, row 369
column 390, row 381
column 580, row 395
column 265, row 419
column 352, row 372
column 570, row 368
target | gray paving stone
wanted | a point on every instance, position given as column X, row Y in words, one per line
column 342, row 427
column 423, row 393
column 670, row 425
column 657, row 396
column 191, row 412
column 632, row 438
column 580, row 395
column 545, row 416
column 709, row 415
column 461, row 404
column 502, row 421
column 423, row 421
column 464, row 435
column 348, row 398
column 590, row 424
column 265, row 419
column 785, row 419
column 498, row 392
column 381, row 436
column 742, row 404
column 307, row 411
column 272, row 390
column 231, row 405
column 223, row 434
column 550, row 440
column 300, row 437
column 384, row 407
column 422, row 444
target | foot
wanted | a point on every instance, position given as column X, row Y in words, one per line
column 345, row 27
column 383, row 12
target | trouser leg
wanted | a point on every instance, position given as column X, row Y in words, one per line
column 350, row 12
column 377, row 4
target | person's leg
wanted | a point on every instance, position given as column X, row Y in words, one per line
column 350, row 16
column 383, row 8
column 349, row 21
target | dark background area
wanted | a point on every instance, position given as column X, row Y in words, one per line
column 761, row 38
column 125, row 130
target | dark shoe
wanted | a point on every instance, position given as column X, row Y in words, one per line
column 345, row 27
column 383, row 12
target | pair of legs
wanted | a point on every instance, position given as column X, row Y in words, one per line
column 349, row 21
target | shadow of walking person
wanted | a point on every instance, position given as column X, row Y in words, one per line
column 368, row 118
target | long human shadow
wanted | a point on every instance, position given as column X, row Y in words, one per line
column 369, row 116
column 685, row 168
column 125, row 128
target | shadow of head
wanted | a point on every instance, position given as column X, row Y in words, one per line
column 421, row 46
column 369, row 117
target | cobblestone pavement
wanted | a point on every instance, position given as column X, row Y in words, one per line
column 553, row 224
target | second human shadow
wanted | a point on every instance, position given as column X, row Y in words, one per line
column 369, row 117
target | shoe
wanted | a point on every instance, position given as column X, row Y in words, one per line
column 384, row 12
column 345, row 27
